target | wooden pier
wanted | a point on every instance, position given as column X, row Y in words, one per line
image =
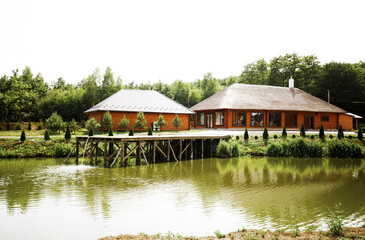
column 150, row 149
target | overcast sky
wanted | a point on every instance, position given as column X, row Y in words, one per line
column 155, row 40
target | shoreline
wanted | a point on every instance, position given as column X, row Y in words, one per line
column 348, row 233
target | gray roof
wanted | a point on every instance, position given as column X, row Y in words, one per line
column 131, row 100
column 262, row 97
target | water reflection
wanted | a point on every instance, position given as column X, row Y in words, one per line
column 221, row 194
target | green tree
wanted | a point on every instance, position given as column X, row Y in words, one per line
column 302, row 130
column 107, row 122
column 359, row 134
column 140, row 121
column 91, row 132
column 321, row 132
column 124, row 123
column 74, row 126
column 265, row 134
column 284, row 134
column 209, row 85
column 131, row 133
column 29, row 126
column 161, row 121
column 108, row 86
column 176, row 122
column 195, row 96
column 245, row 136
column 92, row 124
column 180, row 92
column 46, row 135
column 55, row 123
column 68, row 133
column 255, row 73
column 149, row 131
column 340, row 134
column 22, row 136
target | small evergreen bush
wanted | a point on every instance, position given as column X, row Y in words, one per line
column 293, row 136
column 22, row 136
column 68, row 133
column 29, row 126
column 342, row 149
column 359, row 134
column 284, row 134
column 275, row 136
column 256, row 137
column 321, row 132
column 91, row 132
column 245, row 136
column 235, row 149
column 274, row 150
column 46, row 135
column 331, row 136
column 8, row 126
column 335, row 225
column 340, row 132
column 224, row 149
column 302, row 130
column 312, row 137
column 265, row 134
column 131, row 133
column 149, row 131
column 110, row 132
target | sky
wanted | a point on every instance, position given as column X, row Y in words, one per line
column 151, row 40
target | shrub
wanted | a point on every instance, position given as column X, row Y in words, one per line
column 176, row 122
column 149, row 131
column 46, row 135
column 224, row 149
column 321, row 132
column 331, row 136
column 29, row 126
column 140, row 121
column 68, row 133
column 340, row 132
column 284, row 134
column 131, row 133
column 274, row 150
column 110, row 132
column 8, row 126
column 124, row 123
column 219, row 234
column 92, row 124
column 312, row 137
column 342, row 149
column 302, row 130
column 335, row 225
column 55, row 123
column 359, row 134
column 91, row 132
column 22, row 136
column 350, row 137
column 256, row 137
column 74, row 126
column 61, row 150
column 293, row 136
column 235, row 149
column 245, row 136
column 107, row 122
column 18, row 126
column 265, row 134
column 275, row 136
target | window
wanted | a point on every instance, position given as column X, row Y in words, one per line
column 274, row 119
column 219, row 119
column 291, row 120
column 200, row 120
column 239, row 119
column 257, row 119
column 325, row 118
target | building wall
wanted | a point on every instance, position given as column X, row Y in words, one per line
column 150, row 117
column 334, row 119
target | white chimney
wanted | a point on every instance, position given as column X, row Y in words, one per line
column 291, row 82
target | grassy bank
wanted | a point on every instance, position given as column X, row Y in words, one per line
column 348, row 233
column 310, row 146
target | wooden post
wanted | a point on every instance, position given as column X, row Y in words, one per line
column 186, row 150
column 138, row 157
column 180, row 150
column 168, row 149
column 202, row 148
column 91, row 152
column 191, row 149
column 154, row 152
column 77, row 151
column 195, row 149
column 96, row 152
column 211, row 147
column 122, row 162
column 105, row 153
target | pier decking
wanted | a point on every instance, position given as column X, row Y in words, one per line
column 151, row 149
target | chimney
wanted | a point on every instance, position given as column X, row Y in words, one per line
column 291, row 82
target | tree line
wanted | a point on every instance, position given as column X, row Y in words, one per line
column 27, row 97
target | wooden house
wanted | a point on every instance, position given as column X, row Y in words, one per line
column 259, row 106
column 129, row 102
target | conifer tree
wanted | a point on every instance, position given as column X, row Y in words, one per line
column 161, row 121
column 131, row 133
column 7, row 126
column 176, row 122
column 29, row 126
column 110, row 132
column 150, row 131
column 359, row 134
column 91, row 132
column 284, row 134
column 22, row 136
column 68, row 133
column 124, row 124
column 340, row 134
column 245, row 136
column 107, row 121
column 265, row 134
column 140, row 121
column 321, row 132
column 302, row 130
column 46, row 135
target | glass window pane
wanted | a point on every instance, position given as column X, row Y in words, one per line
column 257, row 119
column 239, row 119
column 219, row 120
column 200, row 119
column 274, row 119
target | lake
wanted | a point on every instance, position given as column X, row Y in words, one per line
column 45, row 199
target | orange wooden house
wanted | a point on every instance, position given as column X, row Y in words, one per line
column 129, row 102
column 259, row 106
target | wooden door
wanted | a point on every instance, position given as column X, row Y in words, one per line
column 309, row 122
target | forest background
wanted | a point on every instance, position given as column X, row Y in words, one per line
column 28, row 97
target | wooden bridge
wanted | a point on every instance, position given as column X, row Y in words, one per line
column 151, row 149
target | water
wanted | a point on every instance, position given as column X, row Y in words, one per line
column 44, row 199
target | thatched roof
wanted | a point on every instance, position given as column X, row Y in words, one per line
column 261, row 97
column 131, row 100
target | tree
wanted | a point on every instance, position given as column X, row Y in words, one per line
column 265, row 134
column 245, row 136
column 22, row 136
column 110, row 133
column 255, row 73
column 92, row 124
column 46, row 135
column 107, row 122
column 359, row 134
column 131, row 133
column 321, row 132
column 340, row 134
column 180, row 92
column 124, row 123
column 74, row 126
column 55, row 123
column 302, row 130
column 161, row 121
column 108, row 86
column 149, row 131
column 195, row 96
column 140, row 121
column 284, row 134
column 29, row 126
column 68, row 133
column 91, row 132
column 176, row 122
